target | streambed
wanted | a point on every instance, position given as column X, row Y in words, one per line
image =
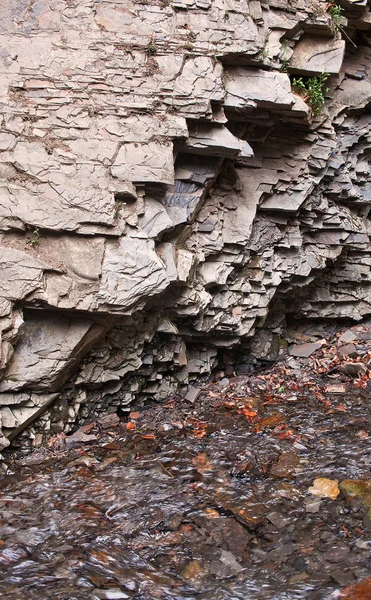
column 196, row 500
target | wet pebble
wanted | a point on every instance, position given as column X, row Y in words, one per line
column 111, row 594
column 312, row 506
column 337, row 553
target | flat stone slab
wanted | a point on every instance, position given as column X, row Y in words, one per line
column 266, row 89
column 192, row 394
column 313, row 56
column 214, row 140
column 347, row 337
column 145, row 163
column 305, row 350
column 50, row 345
column 286, row 202
column 20, row 410
column 365, row 335
column 347, row 350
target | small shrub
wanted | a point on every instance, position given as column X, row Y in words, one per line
column 336, row 16
column 151, row 48
column 313, row 91
column 34, row 238
column 335, row 13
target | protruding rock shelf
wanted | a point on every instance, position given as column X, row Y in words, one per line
column 165, row 197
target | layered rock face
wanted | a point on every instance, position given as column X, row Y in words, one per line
column 166, row 196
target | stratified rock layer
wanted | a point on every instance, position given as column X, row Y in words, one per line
column 165, row 196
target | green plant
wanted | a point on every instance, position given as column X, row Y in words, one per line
column 299, row 86
column 151, row 47
column 34, row 238
column 312, row 90
column 336, row 16
column 335, row 13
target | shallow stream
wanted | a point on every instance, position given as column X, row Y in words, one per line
column 207, row 501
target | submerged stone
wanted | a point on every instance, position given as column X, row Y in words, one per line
column 325, row 488
column 358, row 488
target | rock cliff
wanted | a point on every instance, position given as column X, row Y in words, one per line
column 167, row 197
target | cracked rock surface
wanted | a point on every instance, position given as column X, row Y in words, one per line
column 166, row 198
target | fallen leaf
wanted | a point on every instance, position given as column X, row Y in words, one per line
column 199, row 428
column 201, row 463
column 112, row 446
column 336, row 388
column 292, row 385
column 271, row 421
column 186, row 527
column 229, row 404
column 357, row 591
column 287, row 435
column 211, row 513
column 249, row 414
column 193, row 570
column 100, row 556
column 149, row 436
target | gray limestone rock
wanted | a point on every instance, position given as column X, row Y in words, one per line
column 49, row 348
column 131, row 272
column 247, row 88
column 144, row 163
column 313, row 56
column 166, row 197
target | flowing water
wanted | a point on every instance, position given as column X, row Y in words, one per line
column 205, row 501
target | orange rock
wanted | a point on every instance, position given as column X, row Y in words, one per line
column 325, row 488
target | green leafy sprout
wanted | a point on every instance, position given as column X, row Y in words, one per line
column 336, row 16
column 335, row 12
column 34, row 238
column 313, row 91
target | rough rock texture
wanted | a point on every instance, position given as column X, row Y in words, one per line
column 165, row 196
